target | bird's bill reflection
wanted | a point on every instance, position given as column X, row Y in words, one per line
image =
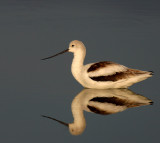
column 107, row 101
column 61, row 122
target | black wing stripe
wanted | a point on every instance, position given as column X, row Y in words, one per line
column 117, row 76
column 114, row 100
column 96, row 66
column 98, row 111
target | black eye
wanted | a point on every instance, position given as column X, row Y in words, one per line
column 72, row 45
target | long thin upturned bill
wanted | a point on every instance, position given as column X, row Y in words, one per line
column 56, row 54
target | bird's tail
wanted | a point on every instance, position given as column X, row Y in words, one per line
column 151, row 72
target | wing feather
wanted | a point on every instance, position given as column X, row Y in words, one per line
column 105, row 69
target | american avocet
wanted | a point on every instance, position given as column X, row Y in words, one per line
column 101, row 75
column 101, row 101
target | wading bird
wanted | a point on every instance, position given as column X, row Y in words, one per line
column 101, row 75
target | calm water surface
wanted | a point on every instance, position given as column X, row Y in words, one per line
column 120, row 31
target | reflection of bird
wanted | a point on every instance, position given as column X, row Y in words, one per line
column 101, row 101
column 101, row 75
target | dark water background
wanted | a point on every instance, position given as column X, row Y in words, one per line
column 126, row 32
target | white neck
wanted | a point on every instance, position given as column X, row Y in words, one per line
column 77, row 63
column 77, row 111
